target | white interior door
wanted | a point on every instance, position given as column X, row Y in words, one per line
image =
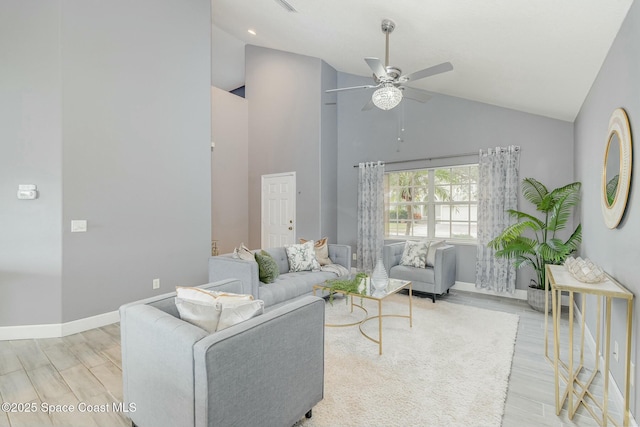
column 278, row 209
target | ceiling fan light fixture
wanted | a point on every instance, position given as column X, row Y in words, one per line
column 387, row 97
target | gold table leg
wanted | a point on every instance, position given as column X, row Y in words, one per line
column 627, row 365
column 607, row 326
column 546, row 317
column 410, row 305
column 556, row 347
column 571, row 380
column 380, row 326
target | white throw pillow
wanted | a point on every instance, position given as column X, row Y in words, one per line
column 322, row 251
column 205, row 315
column 195, row 294
column 431, row 255
column 302, row 257
column 234, row 312
column 415, row 253
column 242, row 252
column 205, row 308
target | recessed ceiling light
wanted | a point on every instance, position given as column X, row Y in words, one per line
column 252, row 32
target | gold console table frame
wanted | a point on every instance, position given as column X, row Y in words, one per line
column 559, row 279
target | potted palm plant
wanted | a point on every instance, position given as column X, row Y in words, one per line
column 535, row 242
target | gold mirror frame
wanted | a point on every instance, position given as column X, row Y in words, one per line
column 618, row 127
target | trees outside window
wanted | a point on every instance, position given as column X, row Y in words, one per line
column 438, row 203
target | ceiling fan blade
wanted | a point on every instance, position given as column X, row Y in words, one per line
column 377, row 67
column 350, row 88
column 431, row 71
column 368, row 106
column 415, row 94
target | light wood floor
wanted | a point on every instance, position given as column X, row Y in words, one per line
column 86, row 368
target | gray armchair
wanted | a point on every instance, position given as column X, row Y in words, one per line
column 434, row 280
column 266, row 371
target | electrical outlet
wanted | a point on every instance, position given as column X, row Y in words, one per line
column 615, row 350
column 632, row 375
column 354, row 257
column 156, row 283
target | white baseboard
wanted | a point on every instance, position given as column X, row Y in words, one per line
column 520, row 294
column 57, row 330
column 471, row 287
column 614, row 390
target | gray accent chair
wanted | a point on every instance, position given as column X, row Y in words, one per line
column 266, row 371
column 434, row 280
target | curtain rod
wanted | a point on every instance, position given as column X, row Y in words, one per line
column 475, row 153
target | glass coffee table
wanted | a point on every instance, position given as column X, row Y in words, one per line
column 393, row 287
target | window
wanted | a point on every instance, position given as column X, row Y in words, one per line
column 440, row 202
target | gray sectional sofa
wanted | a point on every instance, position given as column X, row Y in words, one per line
column 265, row 371
column 287, row 286
column 434, row 280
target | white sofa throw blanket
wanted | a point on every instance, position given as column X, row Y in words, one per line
column 335, row 268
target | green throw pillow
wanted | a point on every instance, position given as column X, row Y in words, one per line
column 267, row 267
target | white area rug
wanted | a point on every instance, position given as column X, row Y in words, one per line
column 451, row 369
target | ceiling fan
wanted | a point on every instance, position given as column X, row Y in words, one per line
column 390, row 82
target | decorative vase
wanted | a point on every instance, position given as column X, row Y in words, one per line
column 379, row 278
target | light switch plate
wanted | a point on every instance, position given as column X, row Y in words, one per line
column 78, row 225
column 27, row 191
column 27, row 194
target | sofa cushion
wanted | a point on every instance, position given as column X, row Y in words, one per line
column 292, row 285
column 302, row 257
column 413, row 274
column 415, row 253
column 267, row 267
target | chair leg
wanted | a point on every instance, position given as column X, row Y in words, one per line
column 309, row 414
column 433, row 297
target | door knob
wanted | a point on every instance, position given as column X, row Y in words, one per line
column 290, row 228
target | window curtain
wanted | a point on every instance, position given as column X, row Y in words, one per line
column 498, row 186
column 370, row 215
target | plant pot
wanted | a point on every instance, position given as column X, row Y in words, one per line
column 535, row 298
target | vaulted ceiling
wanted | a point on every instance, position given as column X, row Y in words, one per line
column 537, row 56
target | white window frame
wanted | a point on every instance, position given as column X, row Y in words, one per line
column 431, row 207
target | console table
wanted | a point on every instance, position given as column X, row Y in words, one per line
column 559, row 279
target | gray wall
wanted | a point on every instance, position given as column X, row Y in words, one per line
column 286, row 134
column 617, row 85
column 30, row 153
column 443, row 126
column 116, row 130
column 328, row 155
column 229, row 170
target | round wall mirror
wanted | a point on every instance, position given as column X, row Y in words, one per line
column 616, row 171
